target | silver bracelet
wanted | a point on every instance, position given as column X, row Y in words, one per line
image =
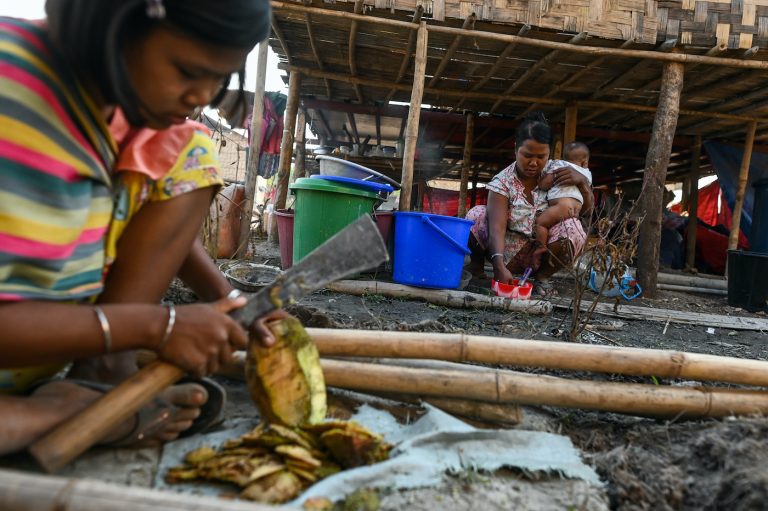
column 496, row 254
column 168, row 327
column 105, row 329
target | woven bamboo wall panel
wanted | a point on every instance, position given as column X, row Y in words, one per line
column 736, row 24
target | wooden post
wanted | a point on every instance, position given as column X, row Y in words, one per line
column 301, row 145
column 412, row 128
column 693, row 206
column 252, row 168
column 466, row 164
column 571, row 116
column 420, row 190
column 656, row 163
column 473, row 193
column 733, row 239
column 286, row 148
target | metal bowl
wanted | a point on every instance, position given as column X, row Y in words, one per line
column 249, row 277
column 330, row 166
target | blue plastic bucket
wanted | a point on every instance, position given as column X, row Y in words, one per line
column 430, row 249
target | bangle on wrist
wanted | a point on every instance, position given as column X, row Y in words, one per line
column 105, row 329
column 496, row 254
column 168, row 327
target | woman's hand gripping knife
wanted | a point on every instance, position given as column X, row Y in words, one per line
column 204, row 336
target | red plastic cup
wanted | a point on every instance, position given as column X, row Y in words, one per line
column 514, row 290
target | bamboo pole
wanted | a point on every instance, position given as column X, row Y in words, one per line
column 691, row 289
column 352, row 48
column 571, row 117
column 461, row 347
column 466, row 164
column 656, row 163
column 22, row 491
column 286, row 147
column 693, row 206
column 733, row 239
column 690, row 280
column 469, row 24
column 413, row 27
column 682, row 58
column 439, row 296
column 254, row 151
column 412, row 128
column 504, row 413
column 301, row 146
column 498, row 386
column 511, row 98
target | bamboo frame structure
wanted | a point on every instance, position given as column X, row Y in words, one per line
column 693, row 206
column 286, row 147
column 412, row 128
column 655, row 175
column 251, row 175
column 466, row 164
column 682, row 58
column 746, row 158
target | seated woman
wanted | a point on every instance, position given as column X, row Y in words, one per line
column 504, row 229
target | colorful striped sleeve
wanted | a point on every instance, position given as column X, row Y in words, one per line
column 55, row 160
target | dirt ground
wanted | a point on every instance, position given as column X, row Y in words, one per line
column 645, row 463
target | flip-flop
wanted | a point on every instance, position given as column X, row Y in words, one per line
column 545, row 289
column 152, row 415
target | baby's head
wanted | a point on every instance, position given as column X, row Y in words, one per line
column 577, row 152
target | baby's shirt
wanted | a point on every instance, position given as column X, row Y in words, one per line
column 569, row 191
column 558, row 164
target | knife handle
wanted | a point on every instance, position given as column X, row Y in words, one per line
column 81, row 431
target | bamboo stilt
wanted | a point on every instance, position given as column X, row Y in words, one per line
column 286, row 148
column 508, row 387
column 301, row 146
column 693, row 206
column 439, row 296
column 550, row 355
column 412, row 128
column 656, row 163
column 252, row 172
column 733, row 239
column 22, row 491
column 466, row 164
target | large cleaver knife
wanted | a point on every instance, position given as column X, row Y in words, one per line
column 355, row 248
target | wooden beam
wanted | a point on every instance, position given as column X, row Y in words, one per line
column 571, row 119
column 281, row 38
column 412, row 129
column 252, row 169
column 352, row 50
column 693, row 209
column 301, row 145
column 408, row 50
column 600, row 51
column 469, row 24
column 324, row 123
column 286, row 148
column 466, row 164
column 619, row 80
column 353, row 125
column 534, row 69
column 315, row 52
column 746, row 158
column 473, row 194
column 597, row 63
column 656, row 163
column 378, row 129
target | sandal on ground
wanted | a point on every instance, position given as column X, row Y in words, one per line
column 545, row 289
column 153, row 415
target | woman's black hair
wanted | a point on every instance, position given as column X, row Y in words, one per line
column 93, row 34
column 534, row 127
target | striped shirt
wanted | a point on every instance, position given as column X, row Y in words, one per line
column 56, row 156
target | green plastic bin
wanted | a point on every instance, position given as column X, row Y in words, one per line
column 322, row 209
